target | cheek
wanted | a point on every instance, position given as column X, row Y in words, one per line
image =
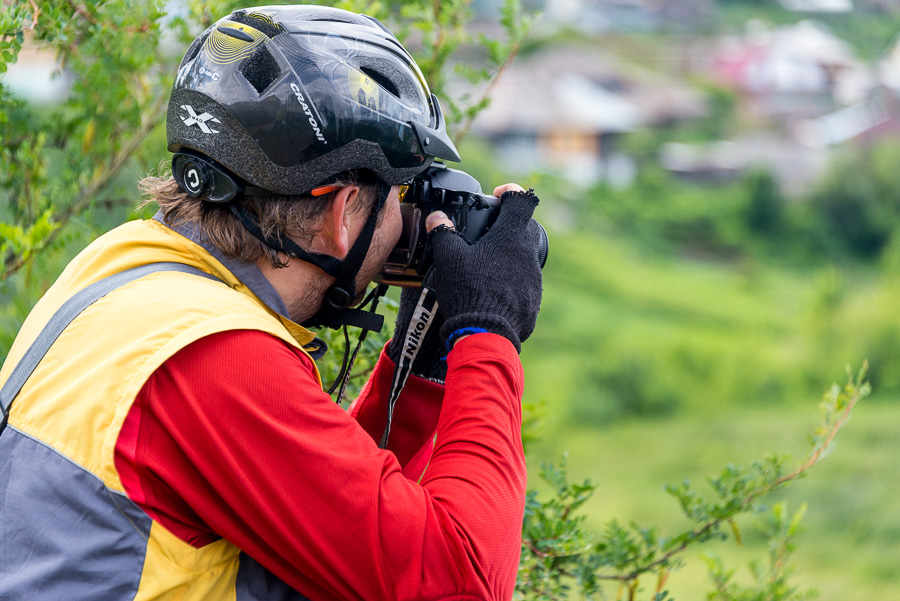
column 394, row 224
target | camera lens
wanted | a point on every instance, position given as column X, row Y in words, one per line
column 543, row 245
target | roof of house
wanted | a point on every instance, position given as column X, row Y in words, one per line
column 581, row 89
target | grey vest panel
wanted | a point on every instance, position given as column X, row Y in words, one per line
column 63, row 534
column 256, row 583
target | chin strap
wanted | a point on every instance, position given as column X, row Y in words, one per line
column 347, row 364
column 326, row 263
column 335, row 311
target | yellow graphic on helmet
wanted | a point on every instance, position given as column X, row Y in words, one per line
column 364, row 89
column 264, row 17
column 231, row 41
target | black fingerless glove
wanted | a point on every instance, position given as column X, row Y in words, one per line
column 430, row 362
column 493, row 285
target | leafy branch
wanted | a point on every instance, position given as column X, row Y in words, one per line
column 557, row 552
column 445, row 37
column 60, row 160
column 500, row 55
column 43, row 233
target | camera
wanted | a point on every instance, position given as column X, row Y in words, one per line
column 457, row 194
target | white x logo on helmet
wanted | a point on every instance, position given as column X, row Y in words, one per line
column 200, row 121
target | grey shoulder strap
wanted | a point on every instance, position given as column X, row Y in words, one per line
column 64, row 316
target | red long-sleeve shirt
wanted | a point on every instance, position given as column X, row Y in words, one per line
column 233, row 437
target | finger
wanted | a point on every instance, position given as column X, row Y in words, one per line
column 499, row 190
column 408, row 298
column 516, row 209
column 437, row 218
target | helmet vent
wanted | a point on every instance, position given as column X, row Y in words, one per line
column 261, row 69
column 381, row 80
column 331, row 20
column 258, row 21
column 191, row 53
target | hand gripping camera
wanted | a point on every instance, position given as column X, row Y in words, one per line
column 457, row 194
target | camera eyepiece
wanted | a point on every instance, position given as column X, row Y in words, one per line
column 457, row 194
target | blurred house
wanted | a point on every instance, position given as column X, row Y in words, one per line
column 719, row 161
column 795, row 165
column 565, row 109
column 37, row 76
column 866, row 122
column 603, row 16
column 806, row 93
column 792, row 72
column 818, row 6
column 888, row 68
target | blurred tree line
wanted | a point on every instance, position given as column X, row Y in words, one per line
column 848, row 215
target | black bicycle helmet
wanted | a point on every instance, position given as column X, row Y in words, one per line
column 287, row 97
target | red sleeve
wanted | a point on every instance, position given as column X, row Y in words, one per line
column 232, row 437
column 415, row 416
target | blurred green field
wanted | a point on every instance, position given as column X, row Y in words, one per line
column 651, row 368
column 624, row 332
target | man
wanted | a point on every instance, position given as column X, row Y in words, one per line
column 175, row 442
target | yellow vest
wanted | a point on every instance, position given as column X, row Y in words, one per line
column 67, row 530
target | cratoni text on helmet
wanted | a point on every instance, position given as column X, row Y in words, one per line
column 312, row 120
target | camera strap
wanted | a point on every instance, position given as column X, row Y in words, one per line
column 418, row 326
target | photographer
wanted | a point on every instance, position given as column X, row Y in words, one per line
column 175, row 440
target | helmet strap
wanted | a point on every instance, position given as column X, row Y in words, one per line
column 335, row 311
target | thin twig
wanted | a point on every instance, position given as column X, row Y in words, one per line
column 749, row 499
column 36, row 11
column 535, row 550
column 467, row 124
column 545, row 555
column 83, row 12
column 93, row 20
column 817, row 455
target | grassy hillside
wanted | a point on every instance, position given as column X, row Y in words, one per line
column 651, row 368
column 625, row 332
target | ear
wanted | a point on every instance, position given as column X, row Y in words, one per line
column 335, row 233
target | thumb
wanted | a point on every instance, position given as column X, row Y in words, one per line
column 516, row 209
column 436, row 219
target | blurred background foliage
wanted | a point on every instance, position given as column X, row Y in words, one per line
column 685, row 324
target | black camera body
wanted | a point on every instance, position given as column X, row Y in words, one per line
column 457, row 194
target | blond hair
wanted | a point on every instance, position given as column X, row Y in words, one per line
column 298, row 217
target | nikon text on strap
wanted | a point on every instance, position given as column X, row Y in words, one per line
column 422, row 318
